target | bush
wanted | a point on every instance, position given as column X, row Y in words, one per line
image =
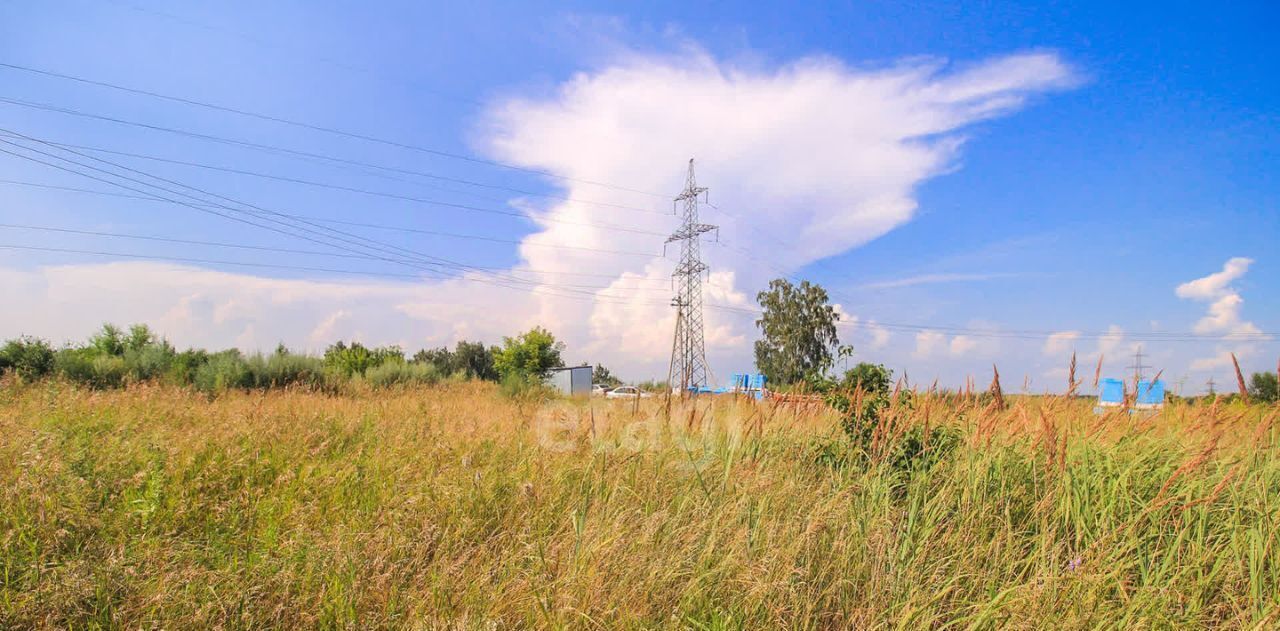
column 530, row 355
column 88, row 367
column 149, row 361
column 521, row 386
column 1263, row 387
column 29, row 357
column 287, row 369
column 861, row 397
column 355, row 359
column 400, row 374
column 223, row 371
column 183, row 367
column 108, row 341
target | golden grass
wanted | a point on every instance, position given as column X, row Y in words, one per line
column 452, row 507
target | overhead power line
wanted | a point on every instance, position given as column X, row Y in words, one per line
column 322, row 128
column 593, row 296
column 372, row 226
column 392, row 254
column 263, row 248
column 347, row 240
column 367, row 168
column 203, row 205
column 280, row 178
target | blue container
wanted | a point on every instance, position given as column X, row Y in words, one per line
column 1150, row 393
column 1111, row 392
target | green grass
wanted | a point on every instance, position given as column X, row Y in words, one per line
column 454, row 507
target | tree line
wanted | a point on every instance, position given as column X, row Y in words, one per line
column 798, row 348
column 114, row 357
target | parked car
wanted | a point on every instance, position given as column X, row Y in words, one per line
column 627, row 392
column 600, row 390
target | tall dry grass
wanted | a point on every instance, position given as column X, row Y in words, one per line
column 453, row 507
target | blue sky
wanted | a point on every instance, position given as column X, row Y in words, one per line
column 1126, row 151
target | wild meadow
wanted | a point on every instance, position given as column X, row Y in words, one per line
column 454, row 506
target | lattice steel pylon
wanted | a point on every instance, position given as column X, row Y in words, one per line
column 688, row 354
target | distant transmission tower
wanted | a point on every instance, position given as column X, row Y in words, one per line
column 1138, row 367
column 688, row 354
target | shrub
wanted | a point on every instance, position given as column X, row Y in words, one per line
column 475, row 360
column 861, row 397
column 108, row 341
column 442, row 358
column 522, row 386
column 88, row 367
column 223, row 371
column 183, row 367
column 148, row 361
column 1264, row 388
column 286, row 369
column 400, row 373
column 29, row 357
column 530, row 355
column 355, row 359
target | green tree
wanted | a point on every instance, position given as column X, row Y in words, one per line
column 356, row 358
column 109, row 341
column 799, row 332
column 872, row 379
column 29, row 357
column 531, row 354
column 439, row 358
column 140, row 337
column 601, row 375
column 1264, row 387
column 475, row 360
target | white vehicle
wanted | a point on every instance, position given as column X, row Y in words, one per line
column 599, row 390
column 627, row 392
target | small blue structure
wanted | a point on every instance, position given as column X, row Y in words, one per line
column 1150, row 394
column 751, row 385
column 1110, row 393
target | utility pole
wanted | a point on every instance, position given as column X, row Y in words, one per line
column 688, row 353
column 1211, row 383
column 1138, row 366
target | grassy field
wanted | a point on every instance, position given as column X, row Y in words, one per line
column 452, row 507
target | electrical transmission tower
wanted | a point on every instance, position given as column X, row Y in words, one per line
column 1138, row 367
column 688, row 355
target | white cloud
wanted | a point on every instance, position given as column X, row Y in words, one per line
column 962, row 344
column 812, row 152
column 197, row 307
column 931, row 343
column 1220, row 359
column 1223, row 316
column 879, row 335
column 1216, row 284
column 1109, row 343
column 1060, row 342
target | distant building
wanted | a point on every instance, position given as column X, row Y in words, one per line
column 1110, row 393
column 572, row 380
column 751, row 385
column 1150, row 394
